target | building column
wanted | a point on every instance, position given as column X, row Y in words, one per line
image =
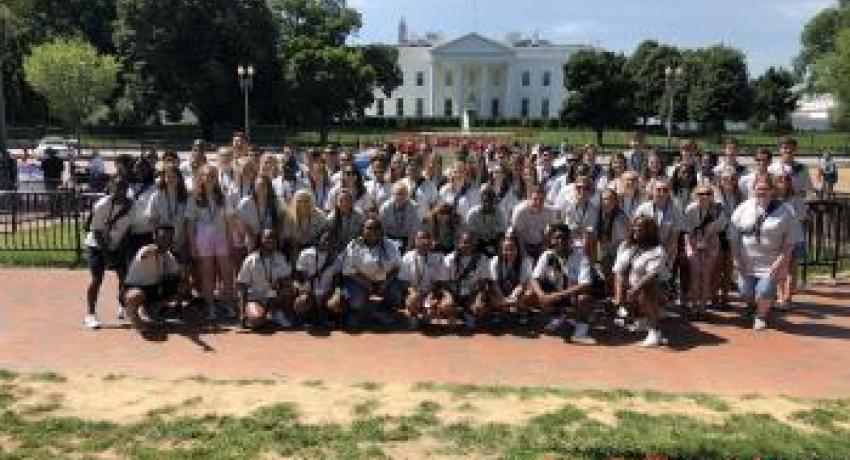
column 459, row 92
column 485, row 105
column 509, row 91
column 433, row 89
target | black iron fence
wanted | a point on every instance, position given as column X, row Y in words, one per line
column 827, row 234
column 44, row 221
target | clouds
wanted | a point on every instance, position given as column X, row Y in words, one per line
column 801, row 9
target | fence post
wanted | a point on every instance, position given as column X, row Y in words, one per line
column 78, row 248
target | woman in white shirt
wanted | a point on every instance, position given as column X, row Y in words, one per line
column 318, row 268
column 763, row 234
column 345, row 221
column 259, row 211
column 640, row 271
column 629, row 192
column 265, row 285
column 379, row 189
column 168, row 207
column 369, row 283
column 306, row 222
column 459, row 192
column 612, row 227
column 703, row 221
column 352, row 180
column 466, row 275
column 730, row 197
column 510, row 289
column 209, row 231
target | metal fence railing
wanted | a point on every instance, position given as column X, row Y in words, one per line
column 827, row 234
column 44, row 221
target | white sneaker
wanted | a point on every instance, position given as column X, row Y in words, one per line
column 580, row 332
column 555, row 324
column 91, row 322
column 759, row 324
column 653, row 339
column 121, row 314
column 281, row 320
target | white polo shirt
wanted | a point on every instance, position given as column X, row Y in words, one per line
column 260, row 273
column 563, row 273
column 149, row 266
column 374, row 263
column 310, row 261
column 530, row 225
column 456, row 266
column 760, row 245
column 640, row 262
column 421, row 272
column 106, row 210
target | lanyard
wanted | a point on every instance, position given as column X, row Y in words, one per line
column 268, row 269
column 660, row 218
column 398, row 216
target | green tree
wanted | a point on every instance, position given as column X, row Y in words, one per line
column 719, row 89
column 325, row 80
column 834, row 68
column 384, row 61
column 72, row 77
column 818, row 39
column 773, row 98
column 646, row 66
column 184, row 53
column 599, row 91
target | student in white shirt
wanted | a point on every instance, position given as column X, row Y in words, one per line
column 352, row 180
column 306, row 221
column 466, row 275
column 629, row 192
column 612, row 227
column 703, row 221
column 640, row 271
column 510, row 290
column 265, row 285
column 369, row 283
column 259, row 211
column 667, row 215
column 422, row 191
column 399, row 217
column 422, row 272
column 318, row 269
column 746, row 183
column 106, row 245
column 153, row 278
column 486, row 223
column 562, row 279
column 379, row 189
column 581, row 214
column 345, row 220
column 459, row 192
column 317, row 183
column 141, row 227
column 168, row 207
column 530, row 220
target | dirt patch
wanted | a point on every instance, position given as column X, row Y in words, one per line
column 128, row 399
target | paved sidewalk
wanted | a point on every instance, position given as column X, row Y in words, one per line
column 808, row 354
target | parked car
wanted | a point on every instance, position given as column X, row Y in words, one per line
column 64, row 148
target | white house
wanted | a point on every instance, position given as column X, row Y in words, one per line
column 514, row 78
column 812, row 112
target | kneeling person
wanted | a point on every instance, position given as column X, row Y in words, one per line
column 318, row 269
column 265, row 285
column 510, row 278
column 153, row 278
column 422, row 271
column 562, row 279
column 466, row 276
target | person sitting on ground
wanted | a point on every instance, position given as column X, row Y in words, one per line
column 318, row 267
column 153, row 278
column 640, row 271
column 510, row 289
column 369, row 283
column 466, row 275
column 264, row 284
column 106, row 245
column 422, row 271
column 486, row 223
column 562, row 279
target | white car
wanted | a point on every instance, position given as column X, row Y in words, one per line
column 64, row 148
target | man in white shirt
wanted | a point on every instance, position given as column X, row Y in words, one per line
column 422, row 272
column 730, row 159
column 762, row 158
column 264, row 285
column 530, row 220
column 581, row 214
column 466, row 273
column 422, row 191
column 399, row 217
column 486, row 223
column 636, row 156
column 318, row 269
column 562, row 279
column 152, row 279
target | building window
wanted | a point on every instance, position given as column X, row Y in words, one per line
column 526, row 78
column 547, row 78
column 447, row 108
column 448, row 78
column 494, row 108
column 420, row 78
column 524, row 108
column 399, row 107
column 380, row 107
column 544, row 109
column 420, row 107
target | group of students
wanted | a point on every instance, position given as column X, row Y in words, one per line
column 507, row 233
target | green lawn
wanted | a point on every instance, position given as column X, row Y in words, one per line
column 51, row 245
column 816, row 429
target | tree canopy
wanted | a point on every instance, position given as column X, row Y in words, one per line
column 773, row 99
column 719, row 90
column 72, row 77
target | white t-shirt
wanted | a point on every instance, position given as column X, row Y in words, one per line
column 667, row 216
column 508, row 277
column 424, row 195
column 560, row 273
column 464, row 202
column 140, row 219
column 149, row 265
column 643, row 262
column 374, row 263
column 421, row 272
column 530, row 225
column 582, row 218
column 105, row 210
column 164, row 209
column 760, row 245
column 709, row 233
column 485, row 226
column 260, row 274
column 310, row 261
column 456, row 266
column 399, row 221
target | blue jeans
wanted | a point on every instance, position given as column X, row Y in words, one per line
column 358, row 297
column 754, row 288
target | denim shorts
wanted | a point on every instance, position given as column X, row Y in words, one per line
column 757, row 287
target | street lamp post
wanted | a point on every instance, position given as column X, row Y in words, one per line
column 246, row 82
column 672, row 76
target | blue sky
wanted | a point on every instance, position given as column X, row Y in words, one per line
column 768, row 31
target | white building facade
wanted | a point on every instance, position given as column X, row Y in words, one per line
column 491, row 79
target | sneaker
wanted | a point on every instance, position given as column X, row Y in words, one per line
column 469, row 321
column 279, row 317
column 653, row 339
column 91, row 322
column 555, row 325
column 121, row 314
column 580, row 332
column 759, row 324
column 622, row 312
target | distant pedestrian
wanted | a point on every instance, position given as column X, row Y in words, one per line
column 828, row 172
